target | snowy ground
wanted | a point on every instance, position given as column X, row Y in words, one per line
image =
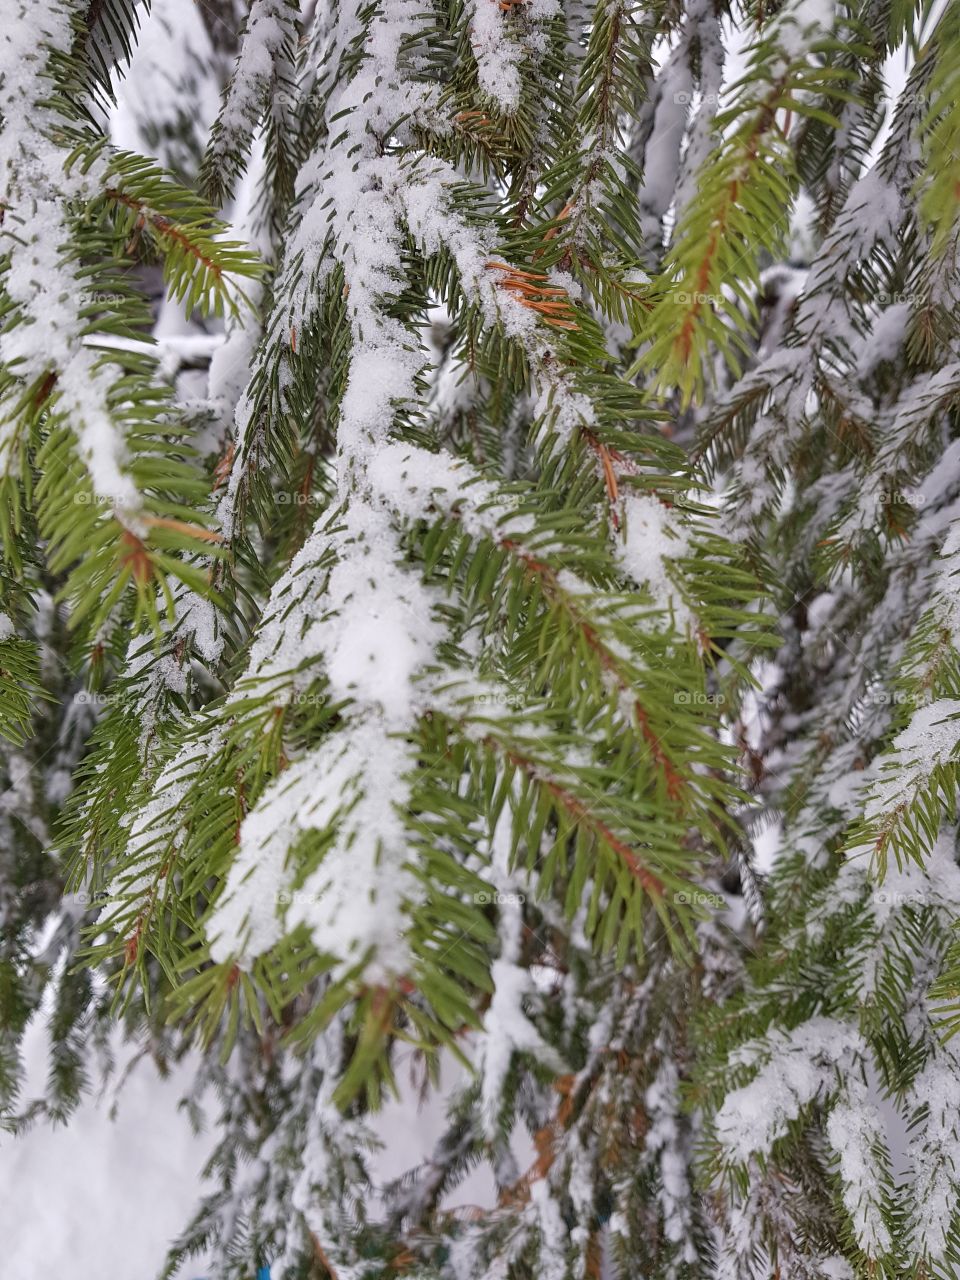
column 101, row 1198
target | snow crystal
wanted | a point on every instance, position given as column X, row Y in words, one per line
column 568, row 283
column 364, row 616
column 500, row 49
column 380, row 631
column 506, row 1028
column 498, row 57
column 918, row 402
column 652, row 539
column 802, row 22
column 835, row 1268
column 354, row 786
column 51, row 337
column 798, row 1066
column 372, row 621
column 156, row 827
column 553, row 1232
column 930, row 738
column 269, row 26
column 936, row 883
column 434, row 222
column 886, row 340
column 665, row 1139
column 417, row 480
column 39, row 279
column 934, row 1155
column 856, row 1133
column 872, row 212
column 945, row 593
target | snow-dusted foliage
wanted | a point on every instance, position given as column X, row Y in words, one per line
column 480, row 580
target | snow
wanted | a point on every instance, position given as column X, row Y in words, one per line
column 107, row 1194
column 553, row 1231
column 498, row 57
column 664, row 1140
column 170, row 67
column 506, row 1027
column 918, row 401
column 834, row 1268
column 500, row 46
column 30, row 30
column 434, row 222
column 353, row 785
column 101, row 1196
column 872, row 213
column 153, row 827
column 419, row 482
column 945, row 590
column 795, row 1067
column 353, row 618
column 51, row 338
column 936, row 883
column 800, row 23
column 652, row 541
column 40, row 280
column 929, row 739
column 674, row 91
column 380, row 630
column 268, row 31
column 886, row 340
column 374, row 627
column 934, row 1155
column 856, row 1133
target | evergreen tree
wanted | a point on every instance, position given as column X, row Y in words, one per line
column 507, row 512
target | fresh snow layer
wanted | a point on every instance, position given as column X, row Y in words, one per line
column 101, row 1197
